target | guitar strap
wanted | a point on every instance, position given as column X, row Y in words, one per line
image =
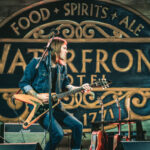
column 18, row 91
column 58, row 79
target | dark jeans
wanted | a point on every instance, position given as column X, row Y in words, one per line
column 62, row 117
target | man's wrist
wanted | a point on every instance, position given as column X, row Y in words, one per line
column 71, row 87
column 33, row 93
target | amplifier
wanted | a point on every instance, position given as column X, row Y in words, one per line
column 20, row 146
column 14, row 133
column 1, row 132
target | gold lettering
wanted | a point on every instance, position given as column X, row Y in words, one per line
column 84, row 9
column 67, row 9
column 79, row 7
column 91, row 10
column 128, row 26
column 15, row 29
column 35, row 52
column 93, row 114
column 101, row 61
column 81, row 78
column 45, row 13
column 85, row 119
column 16, row 63
column 73, row 8
column 131, row 25
column 69, row 61
column 34, row 19
column 71, row 79
column 105, row 112
column 24, row 23
column 84, row 60
column 93, row 78
column 104, row 12
column 140, row 58
column 124, row 21
column 111, row 113
column 138, row 29
column 4, row 57
column 97, row 10
column 114, row 62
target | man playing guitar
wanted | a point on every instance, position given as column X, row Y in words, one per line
column 35, row 81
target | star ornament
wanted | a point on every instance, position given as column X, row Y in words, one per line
column 56, row 10
column 114, row 15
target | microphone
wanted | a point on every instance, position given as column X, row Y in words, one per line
column 55, row 31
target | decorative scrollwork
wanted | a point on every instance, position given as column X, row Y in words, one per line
column 71, row 29
column 14, row 105
column 133, row 97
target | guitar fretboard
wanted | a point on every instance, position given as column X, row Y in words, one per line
column 100, row 83
column 61, row 95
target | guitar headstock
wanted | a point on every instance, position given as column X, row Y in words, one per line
column 101, row 83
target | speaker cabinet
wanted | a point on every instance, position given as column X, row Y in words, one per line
column 21, row 146
column 14, row 133
column 1, row 132
column 134, row 145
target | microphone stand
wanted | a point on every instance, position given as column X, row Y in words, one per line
column 129, row 117
column 117, row 137
column 50, row 81
column 50, row 87
column 53, row 33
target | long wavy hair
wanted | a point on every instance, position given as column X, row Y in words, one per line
column 56, row 44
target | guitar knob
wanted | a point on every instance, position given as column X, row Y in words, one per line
column 25, row 124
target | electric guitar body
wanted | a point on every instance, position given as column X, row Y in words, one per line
column 99, row 139
column 39, row 109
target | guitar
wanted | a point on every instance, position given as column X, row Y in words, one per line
column 39, row 109
column 117, row 137
column 99, row 139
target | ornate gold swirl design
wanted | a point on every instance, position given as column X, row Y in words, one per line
column 17, row 119
column 91, row 101
column 39, row 33
column 88, row 100
column 77, row 100
column 7, row 96
column 135, row 100
column 89, row 27
column 71, row 29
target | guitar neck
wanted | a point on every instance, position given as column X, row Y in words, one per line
column 100, row 83
column 61, row 95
